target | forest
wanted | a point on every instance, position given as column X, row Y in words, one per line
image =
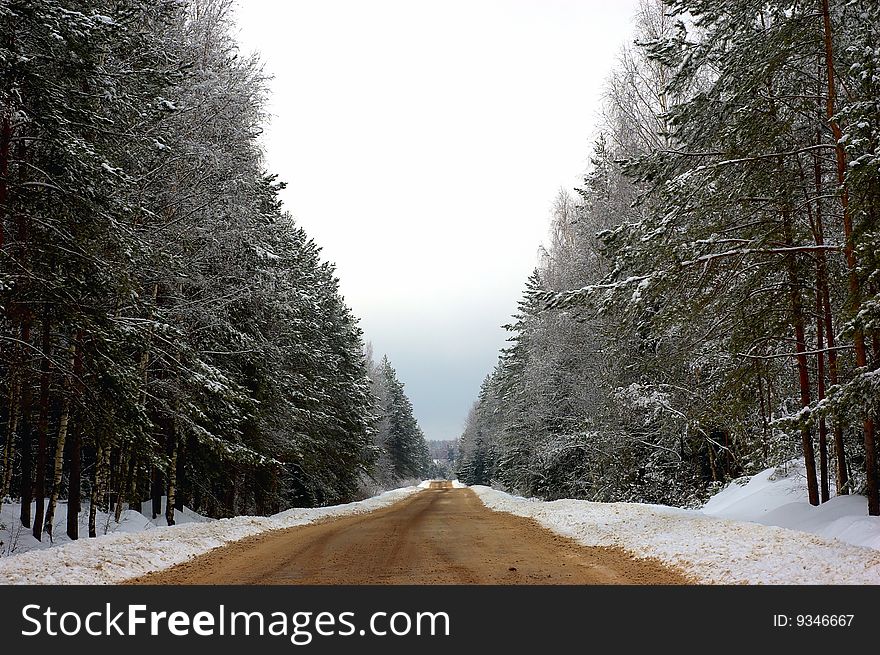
column 708, row 304
column 167, row 331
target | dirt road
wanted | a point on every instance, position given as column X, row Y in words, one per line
column 444, row 536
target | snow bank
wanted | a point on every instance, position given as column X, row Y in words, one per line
column 777, row 496
column 16, row 539
column 116, row 557
column 711, row 549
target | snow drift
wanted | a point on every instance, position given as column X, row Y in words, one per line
column 119, row 556
column 778, row 496
column 719, row 550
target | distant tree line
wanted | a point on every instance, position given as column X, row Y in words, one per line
column 400, row 442
column 709, row 303
column 166, row 330
column 443, row 455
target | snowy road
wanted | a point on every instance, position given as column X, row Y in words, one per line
column 438, row 536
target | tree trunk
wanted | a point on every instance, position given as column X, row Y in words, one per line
column 134, row 501
column 875, row 339
column 93, row 504
column 871, row 487
column 121, row 483
column 712, row 467
column 155, row 474
column 112, row 473
column 797, row 316
column 74, row 493
column 820, row 395
column 156, row 488
column 172, row 477
column 179, row 493
column 5, row 141
column 74, row 490
column 27, row 480
column 63, row 422
column 42, row 432
column 230, row 496
column 102, row 465
column 824, row 311
column 9, row 446
column 765, row 427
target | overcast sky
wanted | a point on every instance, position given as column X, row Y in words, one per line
column 423, row 144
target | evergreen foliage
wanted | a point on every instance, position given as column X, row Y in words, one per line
column 166, row 328
column 398, row 439
column 707, row 306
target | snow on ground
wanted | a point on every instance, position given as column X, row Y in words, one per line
column 719, row 550
column 779, row 497
column 16, row 539
column 125, row 554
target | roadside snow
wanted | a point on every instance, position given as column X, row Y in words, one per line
column 122, row 555
column 777, row 496
column 711, row 549
column 16, row 539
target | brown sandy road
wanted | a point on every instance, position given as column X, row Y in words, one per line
column 437, row 536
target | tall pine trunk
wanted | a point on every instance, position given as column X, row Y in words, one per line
column 63, row 422
column 871, row 486
column 820, row 395
column 42, row 432
column 134, row 501
column 58, row 466
column 765, row 424
column 155, row 475
column 74, row 481
column 875, row 340
column 172, row 476
column 5, row 141
column 821, row 292
column 99, row 489
column 120, row 483
column 27, row 480
column 9, row 445
column 824, row 311
column 96, row 494
column 123, row 480
column 797, row 319
column 156, row 488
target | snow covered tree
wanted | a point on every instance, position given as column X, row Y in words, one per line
column 710, row 295
column 166, row 327
column 402, row 449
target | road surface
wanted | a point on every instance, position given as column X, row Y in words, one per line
column 436, row 536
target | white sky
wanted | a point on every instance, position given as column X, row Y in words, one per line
column 423, row 144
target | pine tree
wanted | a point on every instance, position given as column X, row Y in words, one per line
column 714, row 266
column 177, row 334
column 403, row 451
